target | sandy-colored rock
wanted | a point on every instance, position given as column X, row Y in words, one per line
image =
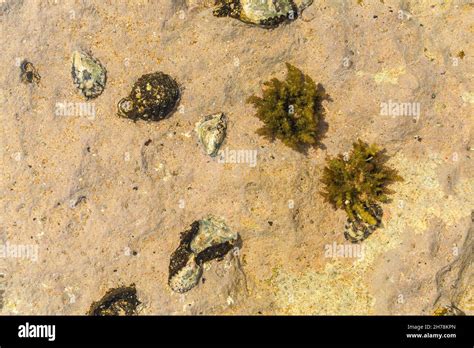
column 97, row 202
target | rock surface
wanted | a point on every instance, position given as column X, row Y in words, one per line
column 102, row 199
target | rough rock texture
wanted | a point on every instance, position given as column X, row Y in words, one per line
column 104, row 199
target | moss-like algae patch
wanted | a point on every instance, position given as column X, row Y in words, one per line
column 358, row 182
column 291, row 109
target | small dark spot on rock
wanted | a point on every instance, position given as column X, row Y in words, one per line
column 148, row 142
column 433, row 96
column 135, row 188
column 88, row 149
column 375, row 16
column 79, row 200
column 270, row 223
column 134, row 253
column 29, row 74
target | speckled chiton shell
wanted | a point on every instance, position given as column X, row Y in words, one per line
column 153, row 97
column 186, row 277
column 265, row 13
column 88, row 74
column 206, row 240
column 211, row 132
column 358, row 230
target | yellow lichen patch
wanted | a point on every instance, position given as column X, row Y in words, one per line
column 467, row 299
column 335, row 290
column 440, row 107
column 468, row 97
column 439, row 312
column 389, row 75
column 10, row 308
column 420, row 7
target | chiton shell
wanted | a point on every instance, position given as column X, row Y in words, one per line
column 153, row 97
column 211, row 132
column 206, row 240
column 120, row 301
column 88, row 74
column 264, row 13
column 357, row 230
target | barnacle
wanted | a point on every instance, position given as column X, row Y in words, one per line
column 291, row 109
column 357, row 183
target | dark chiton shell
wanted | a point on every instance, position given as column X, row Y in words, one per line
column 153, row 98
column 118, row 301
